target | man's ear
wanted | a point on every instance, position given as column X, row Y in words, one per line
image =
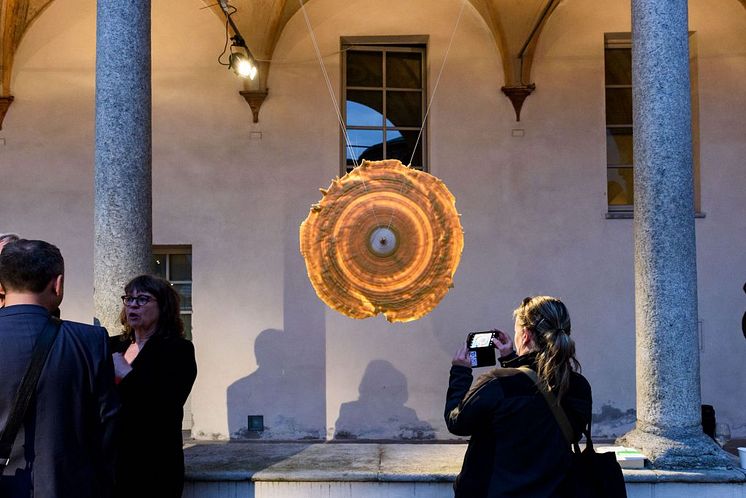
column 59, row 285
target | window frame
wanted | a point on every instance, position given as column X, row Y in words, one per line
column 168, row 251
column 385, row 44
column 624, row 40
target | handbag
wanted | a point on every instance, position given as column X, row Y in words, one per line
column 592, row 475
column 26, row 390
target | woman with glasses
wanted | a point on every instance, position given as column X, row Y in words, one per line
column 517, row 447
column 155, row 369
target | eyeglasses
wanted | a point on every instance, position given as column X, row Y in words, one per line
column 140, row 300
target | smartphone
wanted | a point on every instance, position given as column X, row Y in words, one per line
column 481, row 339
column 481, row 349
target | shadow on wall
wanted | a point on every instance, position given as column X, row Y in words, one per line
column 611, row 422
column 288, row 388
column 274, row 390
column 380, row 411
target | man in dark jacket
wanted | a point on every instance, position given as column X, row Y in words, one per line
column 64, row 447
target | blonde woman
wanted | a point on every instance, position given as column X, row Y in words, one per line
column 517, row 447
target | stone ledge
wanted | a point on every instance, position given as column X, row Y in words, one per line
column 371, row 462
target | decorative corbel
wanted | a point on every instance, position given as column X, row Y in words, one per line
column 255, row 99
column 5, row 102
column 517, row 94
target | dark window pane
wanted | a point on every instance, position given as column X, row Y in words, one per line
column 618, row 63
column 187, row 319
column 403, row 70
column 185, row 293
column 404, row 109
column 620, row 186
column 618, row 106
column 618, row 146
column 364, row 68
column 181, row 266
column 399, row 145
column 364, row 144
column 364, row 108
column 158, row 265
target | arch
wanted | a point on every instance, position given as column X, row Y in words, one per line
column 18, row 15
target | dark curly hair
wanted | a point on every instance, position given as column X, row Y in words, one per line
column 169, row 320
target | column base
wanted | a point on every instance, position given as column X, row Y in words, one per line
column 678, row 449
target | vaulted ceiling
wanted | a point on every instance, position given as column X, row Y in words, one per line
column 516, row 26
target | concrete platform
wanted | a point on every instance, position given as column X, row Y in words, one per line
column 393, row 470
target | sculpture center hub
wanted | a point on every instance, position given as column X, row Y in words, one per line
column 383, row 241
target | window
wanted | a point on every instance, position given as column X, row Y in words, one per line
column 619, row 163
column 619, row 155
column 385, row 100
column 174, row 263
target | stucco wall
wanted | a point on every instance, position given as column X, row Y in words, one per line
column 533, row 207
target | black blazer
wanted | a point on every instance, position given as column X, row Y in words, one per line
column 151, row 458
column 65, row 447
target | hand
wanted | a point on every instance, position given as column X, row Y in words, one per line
column 503, row 343
column 121, row 366
column 461, row 358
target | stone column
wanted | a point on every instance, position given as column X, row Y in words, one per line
column 668, row 428
column 123, row 197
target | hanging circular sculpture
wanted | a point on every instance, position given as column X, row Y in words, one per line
column 385, row 238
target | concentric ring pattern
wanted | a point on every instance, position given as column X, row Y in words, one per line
column 385, row 238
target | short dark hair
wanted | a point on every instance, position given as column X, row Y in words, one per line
column 29, row 265
column 169, row 319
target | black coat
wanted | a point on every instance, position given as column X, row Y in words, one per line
column 65, row 446
column 151, row 457
column 516, row 448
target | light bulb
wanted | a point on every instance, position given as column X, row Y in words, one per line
column 243, row 66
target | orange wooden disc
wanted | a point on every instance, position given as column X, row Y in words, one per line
column 385, row 238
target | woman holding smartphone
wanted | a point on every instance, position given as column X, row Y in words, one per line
column 517, row 447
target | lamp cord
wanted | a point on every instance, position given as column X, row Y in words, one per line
column 227, row 38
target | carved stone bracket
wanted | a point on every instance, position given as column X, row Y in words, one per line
column 5, row 102
column 255, row 99
column 517, row 94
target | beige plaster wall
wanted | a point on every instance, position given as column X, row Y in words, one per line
column 532, row 207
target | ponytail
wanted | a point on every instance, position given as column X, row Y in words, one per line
column 548, row 320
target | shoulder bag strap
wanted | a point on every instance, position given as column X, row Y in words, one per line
column 551, row 400
column 27, row 388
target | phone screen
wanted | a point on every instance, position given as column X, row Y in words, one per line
column 481, row 340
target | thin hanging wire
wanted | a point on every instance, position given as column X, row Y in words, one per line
column 437, row 81
column 432, row 98
column 330, row 88
column 328, row 81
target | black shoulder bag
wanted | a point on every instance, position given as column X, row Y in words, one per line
column 27, row 389
column 594, row 475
